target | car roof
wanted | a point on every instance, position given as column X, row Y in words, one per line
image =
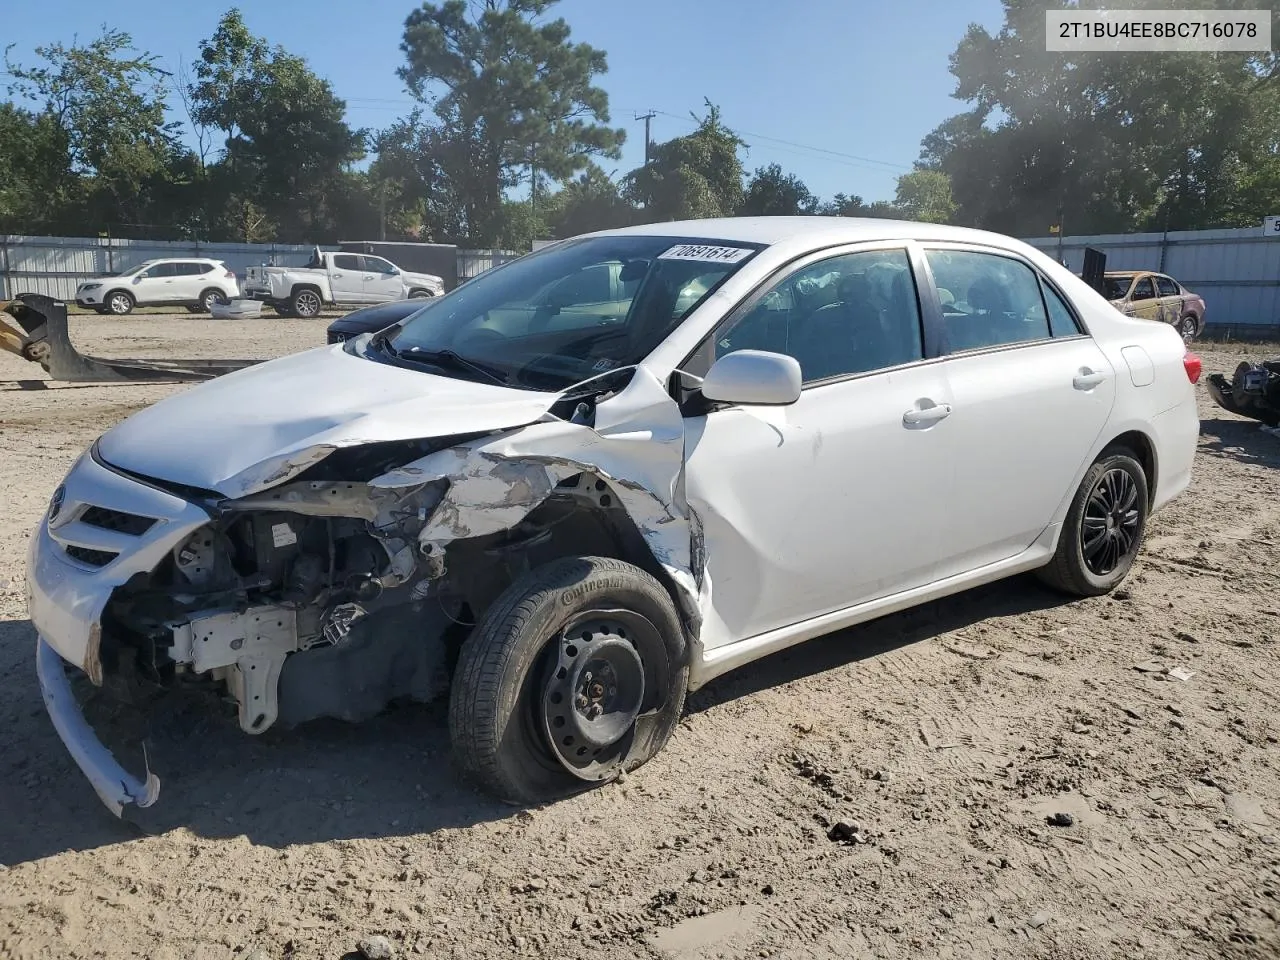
column 818, row 230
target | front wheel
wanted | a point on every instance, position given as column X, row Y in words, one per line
column 419, row 294
column 119, row 303
column 575, row 674
column 306, row 304
column 1103, row 530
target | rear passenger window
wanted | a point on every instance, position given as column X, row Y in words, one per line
column 346, row 261
column 1166, row 287
column 1062, row 323
column 987, row 300
column 850, row 314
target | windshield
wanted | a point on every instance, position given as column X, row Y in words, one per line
column 1117, row 287
column 570, row 312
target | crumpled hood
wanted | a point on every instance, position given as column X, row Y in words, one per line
column 253, row 428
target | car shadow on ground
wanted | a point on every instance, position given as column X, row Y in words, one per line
column 386, row 778
column 1005, row 598
column 1241, row 440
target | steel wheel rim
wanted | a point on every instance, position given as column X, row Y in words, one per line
column 1109, row 527
column 589, row 731
column 119, row 303
column 308, row 304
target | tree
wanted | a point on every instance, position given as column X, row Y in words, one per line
column 699, row 175
column 287, row 148
column 590, row 202
column 510, row 94
column 106, row 101
column 843, row 205
column 925, row 195
column 772, row 193
column 1121, row 141
column 37, row 184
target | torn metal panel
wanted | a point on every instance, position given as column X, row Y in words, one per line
column 636, row 446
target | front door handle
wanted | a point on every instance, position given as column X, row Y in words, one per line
column 1088, row 379
column 916, row 415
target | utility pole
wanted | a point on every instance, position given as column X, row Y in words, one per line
column 646, row 117
column 533, row 193
column 382, row 211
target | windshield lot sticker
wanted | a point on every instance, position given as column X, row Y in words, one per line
column 697, row 251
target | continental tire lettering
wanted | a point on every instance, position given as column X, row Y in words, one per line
column 572, row 595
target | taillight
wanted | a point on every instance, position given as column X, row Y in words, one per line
column 229, row 275
column 1191, row 363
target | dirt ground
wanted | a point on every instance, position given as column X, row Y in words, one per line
column 949, row 734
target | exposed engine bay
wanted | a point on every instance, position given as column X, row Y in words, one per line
column 332, row 596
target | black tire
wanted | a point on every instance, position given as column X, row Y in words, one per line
column 306, row 303
column 208, row 298
column 282, row 310
column 500, row 709
column 1189, row 327
column 192, row 308
column 419, row 294
column 119, row 302
column 1095, row 549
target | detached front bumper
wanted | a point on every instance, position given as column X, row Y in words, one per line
column 115, row 785
column 75, row 562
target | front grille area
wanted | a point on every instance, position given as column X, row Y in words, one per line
column 94, row 558
column 117, row 520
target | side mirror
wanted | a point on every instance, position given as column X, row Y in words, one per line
column 753, row 377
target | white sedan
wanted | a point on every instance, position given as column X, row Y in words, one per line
column 563, row 503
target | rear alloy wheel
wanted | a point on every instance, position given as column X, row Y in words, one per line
column 419, row 294
column 306, row 304
column 1103, row 530
column 576, row 673
column 1187, row 327
column 119, row 302
column 210, row 298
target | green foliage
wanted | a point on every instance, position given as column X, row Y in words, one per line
column 287, row 148
column 101, row 106
column 925, row 195
column 510, row 93
column 1119, row 141
column 695, row 176
column 772, row 193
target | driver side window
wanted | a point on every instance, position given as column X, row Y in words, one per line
column 1144, row 290
column 846, row 315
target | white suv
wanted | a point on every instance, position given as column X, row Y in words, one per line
column 192, row 283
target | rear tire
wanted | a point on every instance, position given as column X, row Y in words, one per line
column 210, row 297
column 119, row 302
column 419, row 294
column 1189, row 327
column 525, row 675
column 1103, row 530
column 306, row 304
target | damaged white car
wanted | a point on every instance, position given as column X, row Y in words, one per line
column 597, row 477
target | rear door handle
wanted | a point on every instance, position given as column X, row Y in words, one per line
column 932, row 414
column 1088, row 379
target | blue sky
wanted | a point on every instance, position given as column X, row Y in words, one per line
column 850, row 85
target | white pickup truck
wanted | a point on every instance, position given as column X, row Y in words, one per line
column 336, row 278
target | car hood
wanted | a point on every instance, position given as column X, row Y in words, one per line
column 260, row 426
